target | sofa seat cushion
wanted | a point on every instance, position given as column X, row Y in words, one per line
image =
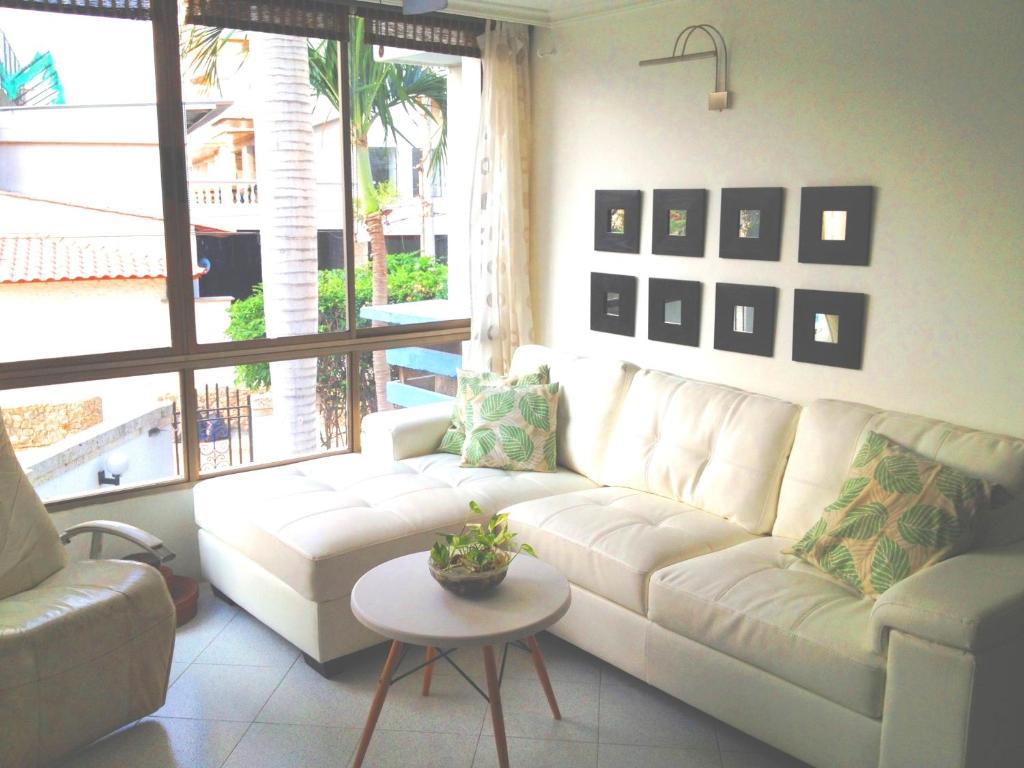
column 610, row 540
column 319, row 525
column 778, row 614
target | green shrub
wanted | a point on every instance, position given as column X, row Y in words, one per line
column 411, row 277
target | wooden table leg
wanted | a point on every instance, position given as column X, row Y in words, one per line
column 497, row 718
column 428, row 671
column 542, row 673
column 378, row 702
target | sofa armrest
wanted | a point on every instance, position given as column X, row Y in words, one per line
column 972, row 602
column 405, row 432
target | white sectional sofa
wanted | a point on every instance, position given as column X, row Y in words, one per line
column 669, row 515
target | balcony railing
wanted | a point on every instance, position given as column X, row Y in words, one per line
column 221, row 193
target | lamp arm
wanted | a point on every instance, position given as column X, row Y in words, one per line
column 136, row 536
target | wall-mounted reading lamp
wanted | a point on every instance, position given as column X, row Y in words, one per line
column 719, row 98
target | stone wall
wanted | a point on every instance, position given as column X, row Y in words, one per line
column 36, row 426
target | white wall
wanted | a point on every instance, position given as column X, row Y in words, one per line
column 921, row 100
column 84, row 316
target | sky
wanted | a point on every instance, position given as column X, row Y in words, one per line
column 92, row 69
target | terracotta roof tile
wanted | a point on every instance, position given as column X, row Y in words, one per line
column 42, row 259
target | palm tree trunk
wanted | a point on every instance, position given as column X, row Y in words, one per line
column 379, row 253
column 287, row 183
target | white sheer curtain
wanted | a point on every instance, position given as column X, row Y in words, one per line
column 500, row 214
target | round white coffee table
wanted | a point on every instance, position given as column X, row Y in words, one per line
column 400, row 600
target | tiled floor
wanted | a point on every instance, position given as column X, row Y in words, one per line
column 241, row 697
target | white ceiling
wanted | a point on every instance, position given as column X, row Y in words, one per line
column 541, row 12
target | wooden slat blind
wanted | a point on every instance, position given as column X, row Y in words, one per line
column 310, row 18
column 434, row 32
column 118, row 9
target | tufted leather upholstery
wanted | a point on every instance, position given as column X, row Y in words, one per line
column 717, row 448
column 610, row 540
column 778, row 614
column 29, row 547
column 84, row 649
column 321, row 524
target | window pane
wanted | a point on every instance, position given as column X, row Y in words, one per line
column 426, row 142
column 264, row 412
column 384, row 165
column 264, row 145
column 82, row 261
column 87, row 438
column 408, row 376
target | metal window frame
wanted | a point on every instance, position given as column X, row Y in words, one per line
column 185, row 354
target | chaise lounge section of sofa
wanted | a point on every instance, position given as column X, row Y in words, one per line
column 671, row 513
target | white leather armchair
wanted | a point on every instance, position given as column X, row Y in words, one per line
column 85, row 647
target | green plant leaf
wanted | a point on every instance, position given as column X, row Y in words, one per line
column 950, row 483
column 873, row 445
column 481, row 442
column 889, row 565
column 516, row 444
column 850, row 490
column 452, row 442
column 534, row 409
column 527, row 549
column 550, row 452
column 898, row 474
column 864, row 522
column 806, row 543
column 497, row 406
column 839, row 562
column 928, row 526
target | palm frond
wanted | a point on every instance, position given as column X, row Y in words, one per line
column 201, row 49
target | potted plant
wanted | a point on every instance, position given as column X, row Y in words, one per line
column 477, row 558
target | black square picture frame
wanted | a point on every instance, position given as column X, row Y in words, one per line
column 612, row 233
column 613, row 303
column 835, row 225
column 828, row 328
column 673, row 311
column 744, row 235
column 762, row 301
column 673, row 234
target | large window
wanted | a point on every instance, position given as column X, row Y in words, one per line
column 82, row 251
column 213, row 246
column 96, row 436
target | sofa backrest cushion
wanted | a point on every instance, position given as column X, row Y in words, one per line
column 592, row 388
column 30, row 549
column 831, row 431
column 720, row 449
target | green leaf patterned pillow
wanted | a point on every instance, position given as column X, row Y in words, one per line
column 512, row 428
column 471, row 384
column 897, row 513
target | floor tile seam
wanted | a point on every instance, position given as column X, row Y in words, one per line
column 276, row 687
column 219, row 632
column 235, row 747
column 243, row 666
column 197, row 719
column 545, row 739
column 256, row 718
column 355, row 728
column 668, row 746
column 287, row 667
column 718, row 747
